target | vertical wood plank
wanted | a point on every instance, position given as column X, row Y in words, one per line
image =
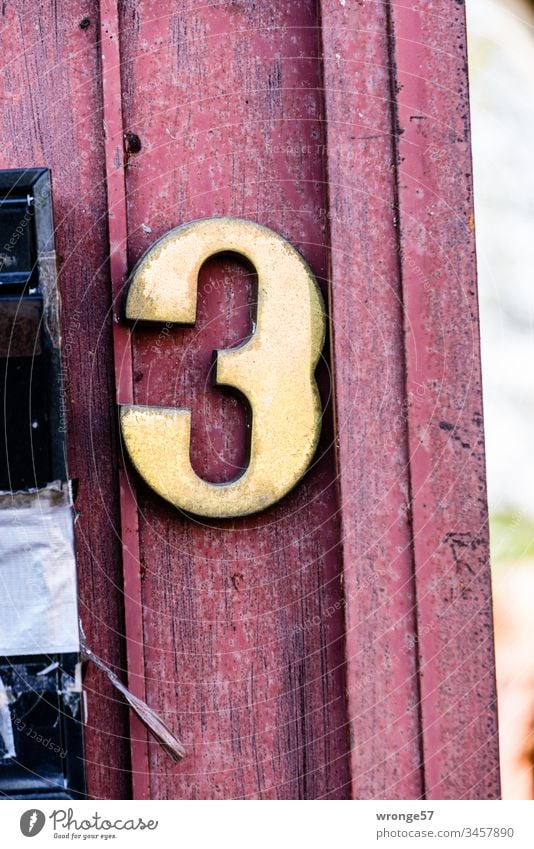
column 243, row 623
column 243, row 620
column 118, row 236
column 444, row 400
column 52, row 116
column 371, row 437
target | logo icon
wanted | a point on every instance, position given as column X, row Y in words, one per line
column 32, row 822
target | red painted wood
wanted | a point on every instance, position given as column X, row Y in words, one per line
column 243, row 621
column 252, row 143
column 381, row 658
column 117, row 229
column 51, row 116
column 444, row 402
column 340, row 643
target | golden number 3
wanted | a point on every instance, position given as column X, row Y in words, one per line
column 274, row 368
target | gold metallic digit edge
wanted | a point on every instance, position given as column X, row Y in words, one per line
column 274, row 369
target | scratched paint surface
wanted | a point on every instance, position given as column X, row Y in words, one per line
column 252, row 142
column 243, row 621
column 51, row 116
column 446, row 437
column 250, row 654
column 371, row 420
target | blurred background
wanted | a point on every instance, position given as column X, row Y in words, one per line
column 501, row 62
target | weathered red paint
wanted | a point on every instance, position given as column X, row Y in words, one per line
column 50, row 86
column 444, row 402
column 339, row 644
column 118, row 267
column 381, row 656
column 241, row 659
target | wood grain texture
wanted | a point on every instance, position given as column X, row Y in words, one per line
column 115, row 157
column 381, row 658
column 243, row 622
column 444, row 401
column 339, row 644
column 51, row 116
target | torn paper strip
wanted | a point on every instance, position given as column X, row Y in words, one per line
column 6, row 726
column 38, row 596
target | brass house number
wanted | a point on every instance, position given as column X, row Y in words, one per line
column 274, row 368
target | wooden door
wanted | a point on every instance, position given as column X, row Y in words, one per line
column 338, row 644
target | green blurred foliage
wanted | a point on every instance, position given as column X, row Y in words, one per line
column 512, row 536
